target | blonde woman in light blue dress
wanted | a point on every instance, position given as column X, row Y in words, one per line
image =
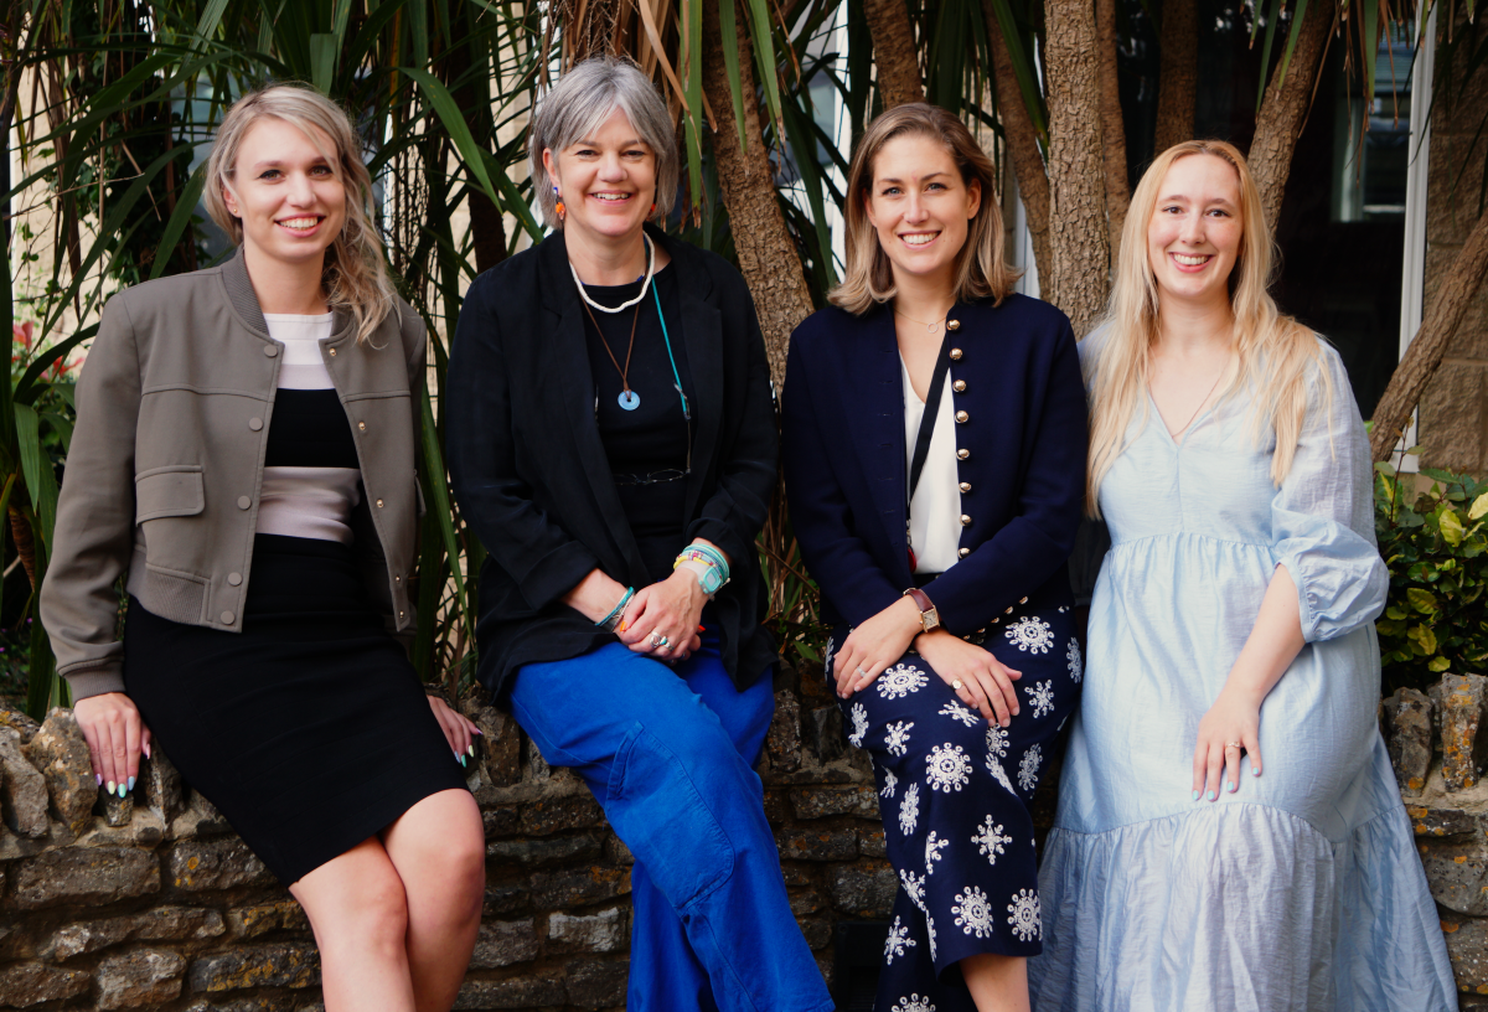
column 1229, row 833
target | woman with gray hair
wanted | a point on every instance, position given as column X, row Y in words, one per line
column 612, row 441
column 244, row 458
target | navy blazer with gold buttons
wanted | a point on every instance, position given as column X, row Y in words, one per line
column 1021, row 439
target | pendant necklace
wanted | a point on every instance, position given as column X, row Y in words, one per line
column 628, row 399
column 930, row 327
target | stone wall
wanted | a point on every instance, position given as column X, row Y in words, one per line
column 153, row 902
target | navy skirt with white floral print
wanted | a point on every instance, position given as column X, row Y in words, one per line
column 954, row 794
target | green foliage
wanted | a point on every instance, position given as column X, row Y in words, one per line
column 1435, row 544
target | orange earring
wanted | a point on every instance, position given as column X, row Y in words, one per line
column 558, row 208
column 653, row 208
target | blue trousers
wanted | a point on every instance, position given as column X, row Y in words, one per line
column 669, row 754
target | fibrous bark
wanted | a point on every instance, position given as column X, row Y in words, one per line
column 1079, row 242
column 895, row 60
column 1022, row 144
column 1426, row 351
column 1113, row 128
column 1284, row 109
column 1178, row 73
column 767, row 255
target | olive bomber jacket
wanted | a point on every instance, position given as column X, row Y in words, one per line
column 166, row 463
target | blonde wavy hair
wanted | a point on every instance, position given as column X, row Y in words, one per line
column 355, row 276
column 1275, row 352
column 982, row 270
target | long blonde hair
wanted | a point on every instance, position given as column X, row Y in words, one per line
column 1275, row 352
column 355, row 277
column 982, row 270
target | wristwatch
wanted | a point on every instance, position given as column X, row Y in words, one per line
column 929, row 616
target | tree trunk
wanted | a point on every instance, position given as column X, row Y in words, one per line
column 1079, row 240
column 1426, row 351
column 1178, row 73
column 895, row 60
column 1113, row 126
column 1022, row 143
column 767, row 254
column 1285, row 107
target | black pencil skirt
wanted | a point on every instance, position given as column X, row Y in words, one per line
column 308, row 730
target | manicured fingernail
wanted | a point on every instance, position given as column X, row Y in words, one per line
column 111, row 787
column 146, row 749
column 702, row 628
column 476, row 730
column 1231, row 785
column 98, row 778
column 462, row 761
column 1213, row 796
column 470, row 751
column 1255, row 771
column 131, row 783
column 623, row 626
column 1196, row 795
column 121, row 790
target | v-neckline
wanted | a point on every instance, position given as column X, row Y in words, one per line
column 1180, row 440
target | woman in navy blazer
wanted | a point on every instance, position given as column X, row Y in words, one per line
column 953, row 649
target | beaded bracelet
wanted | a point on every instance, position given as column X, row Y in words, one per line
column 707, row 564
column 610, row 621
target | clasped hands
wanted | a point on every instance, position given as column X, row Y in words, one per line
column 985, row 683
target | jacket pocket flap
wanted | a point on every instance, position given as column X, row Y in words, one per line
column 168, row 492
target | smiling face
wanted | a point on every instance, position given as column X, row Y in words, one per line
column 920, row 206
column 1195, row 232
column 285, row 193
column 606, row 180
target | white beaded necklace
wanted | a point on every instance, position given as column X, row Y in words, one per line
column 650, row 270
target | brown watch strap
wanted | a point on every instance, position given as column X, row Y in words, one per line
column 929, row 616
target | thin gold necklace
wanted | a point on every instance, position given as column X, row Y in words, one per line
column 1175, row 433
column 930, row 327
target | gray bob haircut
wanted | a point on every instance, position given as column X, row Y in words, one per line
column 582, row 99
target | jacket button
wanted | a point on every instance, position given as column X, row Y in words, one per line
column 1008, row 610
column 963, row 552
column 965, row 520
column 1022, row 600
column 955, row 354
column 362, row 426
column 401, row 613
column 379, row 504
column 953, row 325
column 227, row 618
column 255, row 424
column 271, row 351
column 333, row 353
column 963, row 453
column 959, row 386
column 966, row 486
column 397, row 579
column 244, row 502
column 234, row 579
column 962, row 417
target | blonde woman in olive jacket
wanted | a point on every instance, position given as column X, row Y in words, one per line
column 244, row 459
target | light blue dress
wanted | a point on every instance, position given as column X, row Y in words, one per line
column 1303, row 890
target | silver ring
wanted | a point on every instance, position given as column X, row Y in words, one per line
column 958, row 685
column 659, row 641
column 861, row 672
column 1234, row 744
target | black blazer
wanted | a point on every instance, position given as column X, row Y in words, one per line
column 531, row 475
column 1022, row 449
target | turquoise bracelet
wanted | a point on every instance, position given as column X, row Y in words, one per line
column 610, row 621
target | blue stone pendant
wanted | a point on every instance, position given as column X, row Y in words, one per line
column 629, row 400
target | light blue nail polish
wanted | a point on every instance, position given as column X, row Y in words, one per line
column 1231, row 785
column 1213, row 796
column 121, row 790
column 1196, row 795
column 1255, row 771
column 131, row 783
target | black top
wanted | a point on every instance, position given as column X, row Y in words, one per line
column 648, row 445
column 310, row 429
column 530, row 470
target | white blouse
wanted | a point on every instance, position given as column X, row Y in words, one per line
column 935, row 510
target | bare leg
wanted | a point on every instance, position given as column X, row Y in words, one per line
column 439, row 850
column 356, row 907
column 997, row 983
